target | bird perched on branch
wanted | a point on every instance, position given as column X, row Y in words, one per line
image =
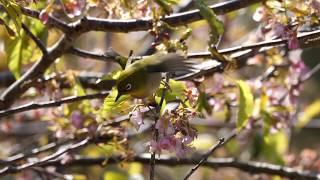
column 143, row 77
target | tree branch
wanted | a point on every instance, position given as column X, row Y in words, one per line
column 21, row 85
column 74, row 30
column 96, row 24
column 52, row 21
column 33, row 152
column 53, row 103
column 38, row 42
column 205, row 157
column 110, row 55
column 252, row 167
column 15, row 169
column 178, row 19
column 306, row 40
column 97, row 138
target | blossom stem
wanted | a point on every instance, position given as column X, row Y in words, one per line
column 156, row 132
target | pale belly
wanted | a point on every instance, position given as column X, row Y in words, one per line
column 152, row 84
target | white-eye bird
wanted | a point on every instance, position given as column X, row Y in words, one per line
column 143, row 77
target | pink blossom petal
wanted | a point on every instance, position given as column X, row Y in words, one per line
column 137, row 119
column 44, row 16
column 259, row 15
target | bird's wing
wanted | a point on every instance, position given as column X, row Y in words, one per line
column 170, row 62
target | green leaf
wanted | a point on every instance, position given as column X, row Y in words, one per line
column 39, row 30
column 21, row 50
column 215, row 24
column 271, row 147
column 275, row 146
column 309, row 112
column 177, row 89
column 14, row 12
column 203, row 104
column 14, row 51
column 164, row 104
column 175, row 92
column 267, row 122
column 112, row 106
column 245, row 104
column 115, row 175
column 166, row 5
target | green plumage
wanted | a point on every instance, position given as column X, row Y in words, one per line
column 142, row 78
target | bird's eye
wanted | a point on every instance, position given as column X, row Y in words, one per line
column 128, row 86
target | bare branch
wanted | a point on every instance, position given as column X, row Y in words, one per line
column 110, row 55
column 305, row 40
column 38, row 42
column 52, row 21
column 15, row 169
column 53, row 103
column 252, row 167
column 313, row 71
column 178, row 19
column 33, row 152
column 96, row 24
column 50, row 173
column 97, row 138
column 210, row 152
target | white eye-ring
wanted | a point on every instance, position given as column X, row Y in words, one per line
column 128, row 86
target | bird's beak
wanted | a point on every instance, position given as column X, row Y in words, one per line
column 118, row 96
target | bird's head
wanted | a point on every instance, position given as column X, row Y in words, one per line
column 125, row 86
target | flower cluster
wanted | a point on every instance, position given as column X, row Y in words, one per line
column 73, row 8
column 297, row 72
column 277, row 28
column 175, row 133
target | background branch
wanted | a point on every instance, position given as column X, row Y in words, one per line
column 53, row 103
column 179, row 19
column 252, row 167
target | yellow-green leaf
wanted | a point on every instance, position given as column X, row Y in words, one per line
column 176, row 91
column 309, row 112
column 14, row 12
column 215, row 24
column 112, row 106
column 115, row 175
column 166, row 5
column 275, row 146
column 14, row 51
column 21, row 50
column 245, row 104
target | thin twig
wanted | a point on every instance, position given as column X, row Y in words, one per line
column 67, row 148
column 33, row 152
column 206, row 155
column 313, row 71
column 110, row 55
column 38, row 42
column 50, row 173
column 53, row 103
column 97, row 138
